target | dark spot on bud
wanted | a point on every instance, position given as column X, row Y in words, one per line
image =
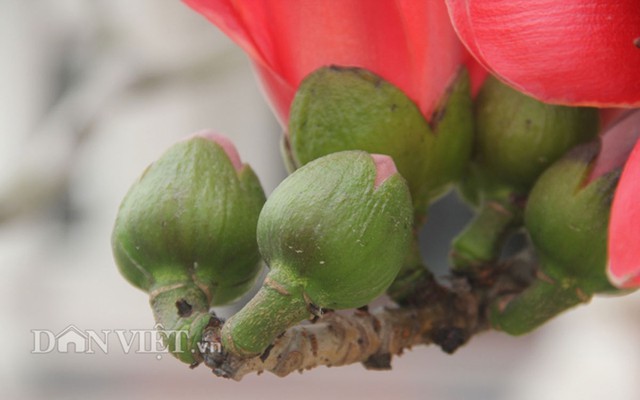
column 636, row 42
column 184, row 308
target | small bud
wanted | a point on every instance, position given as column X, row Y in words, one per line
column 567, row 218
column 334, row 234
column 185, row 232
column 518, row 137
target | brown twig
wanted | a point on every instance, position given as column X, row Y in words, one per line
column 448, row 317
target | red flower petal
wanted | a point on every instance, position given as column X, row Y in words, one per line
column 580, row 52
column 410, row 43
column 618, row 139
column 624, row 226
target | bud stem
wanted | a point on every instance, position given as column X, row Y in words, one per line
column 278, row 305
column 182, row 310
column 543, row 300
column 481, row 241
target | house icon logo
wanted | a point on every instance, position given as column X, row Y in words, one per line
column 71, row 340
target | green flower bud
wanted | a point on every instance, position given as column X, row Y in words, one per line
column 517, row 138
column 337, row 109
column 185, row 233
column 334, row 234
column 567, row 218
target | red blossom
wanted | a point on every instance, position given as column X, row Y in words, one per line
column 409, row 43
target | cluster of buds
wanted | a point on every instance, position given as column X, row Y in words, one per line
column 192, row 229
column 370, row 145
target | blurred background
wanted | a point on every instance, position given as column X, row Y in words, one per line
column 93, row 91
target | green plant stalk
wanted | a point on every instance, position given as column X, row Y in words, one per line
column 278, row 305
column 540, row 302
column 182, row 313
column 481, row 241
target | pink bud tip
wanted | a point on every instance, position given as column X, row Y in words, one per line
column 226, row 144
column 385, row 167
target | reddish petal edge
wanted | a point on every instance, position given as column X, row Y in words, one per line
column 398, row 40
column 222, row 14
column 623, row 269
column 618, row 140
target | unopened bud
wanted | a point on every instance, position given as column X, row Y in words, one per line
column 185, row 232
column 334, row 234
column 337, row 109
